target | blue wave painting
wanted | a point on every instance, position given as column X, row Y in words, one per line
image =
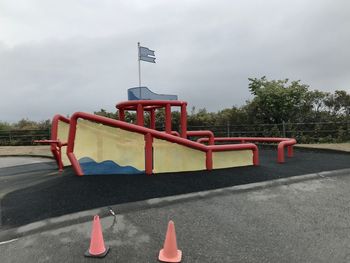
column 89, row 167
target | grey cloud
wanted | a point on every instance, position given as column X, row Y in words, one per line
column 205, row 50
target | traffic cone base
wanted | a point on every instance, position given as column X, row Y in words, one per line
column 102, row 255
column 164, row 258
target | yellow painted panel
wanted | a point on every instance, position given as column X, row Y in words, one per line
column 62, row 135
column 172, row 157
column 100, row 143
column 232, row 159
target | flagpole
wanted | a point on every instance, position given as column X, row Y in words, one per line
column 138, row 51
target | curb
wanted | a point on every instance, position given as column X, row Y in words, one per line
column 85, row 216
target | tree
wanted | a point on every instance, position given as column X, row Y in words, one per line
column 104, row 113
column 317, row 100
column 278, row 100
column 5, row 126
column 339, row 103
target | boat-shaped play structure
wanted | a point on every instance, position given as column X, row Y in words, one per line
column 93, row 144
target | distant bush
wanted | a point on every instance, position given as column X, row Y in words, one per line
column 278, row 108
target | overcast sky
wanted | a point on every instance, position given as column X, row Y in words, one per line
column 66, row 56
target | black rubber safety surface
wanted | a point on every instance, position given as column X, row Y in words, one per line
column 46, row 194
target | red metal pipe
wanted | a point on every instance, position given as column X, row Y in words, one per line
column 280, row 149
column 139, row 113
column 168, row 118
column 121, row 114
column 152, row 119
column 148, row 154
column 230, row 147
column 282, row 143
column 183, row 121
column 247, row 139
column 209, row 134
column 70, row 146
column 209, row 160
column 54, row 125
column 131, row 104
column 55, row 147
column 290, row 152
column 256, row 156
column 175, row 133
column 57, row 152
column 154, row 104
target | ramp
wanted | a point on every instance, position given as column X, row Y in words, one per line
column 100, row 145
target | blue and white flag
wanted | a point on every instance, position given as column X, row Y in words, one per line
column 146, row 54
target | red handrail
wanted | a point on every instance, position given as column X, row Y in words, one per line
column 208, row 134
column 150, row 105
column 282, row 143
column 132, row 104
column 149, row 135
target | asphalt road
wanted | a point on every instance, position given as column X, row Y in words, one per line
column 33, row 192
column 305, row 221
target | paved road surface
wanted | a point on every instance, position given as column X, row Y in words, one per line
column 294, row 222
column 301, row 222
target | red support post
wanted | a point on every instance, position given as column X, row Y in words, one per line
column 60, row 163
column 256, row 156
column 280, row 153
column 121, row 115
column 209, row 160
column 55, row 147
column 183, row 121
column 148, row 153
column 168, row 118
column 280, row 149
column 152, row 119
column 211, row 140
column 139, row 114
column 70, row 145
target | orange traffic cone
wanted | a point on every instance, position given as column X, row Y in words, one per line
column 170, row 253
column 97, row 245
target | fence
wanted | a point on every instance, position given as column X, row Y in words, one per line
column 311, row 132
column 22, row 137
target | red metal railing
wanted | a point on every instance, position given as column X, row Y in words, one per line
column 149, row 135
column 208, row 134
column 56, row 149
column 55, row 142
column 151, row 105
column 282, row 143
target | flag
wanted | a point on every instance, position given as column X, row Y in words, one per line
column 146, row 54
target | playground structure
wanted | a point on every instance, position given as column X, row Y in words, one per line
column 99, row 145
